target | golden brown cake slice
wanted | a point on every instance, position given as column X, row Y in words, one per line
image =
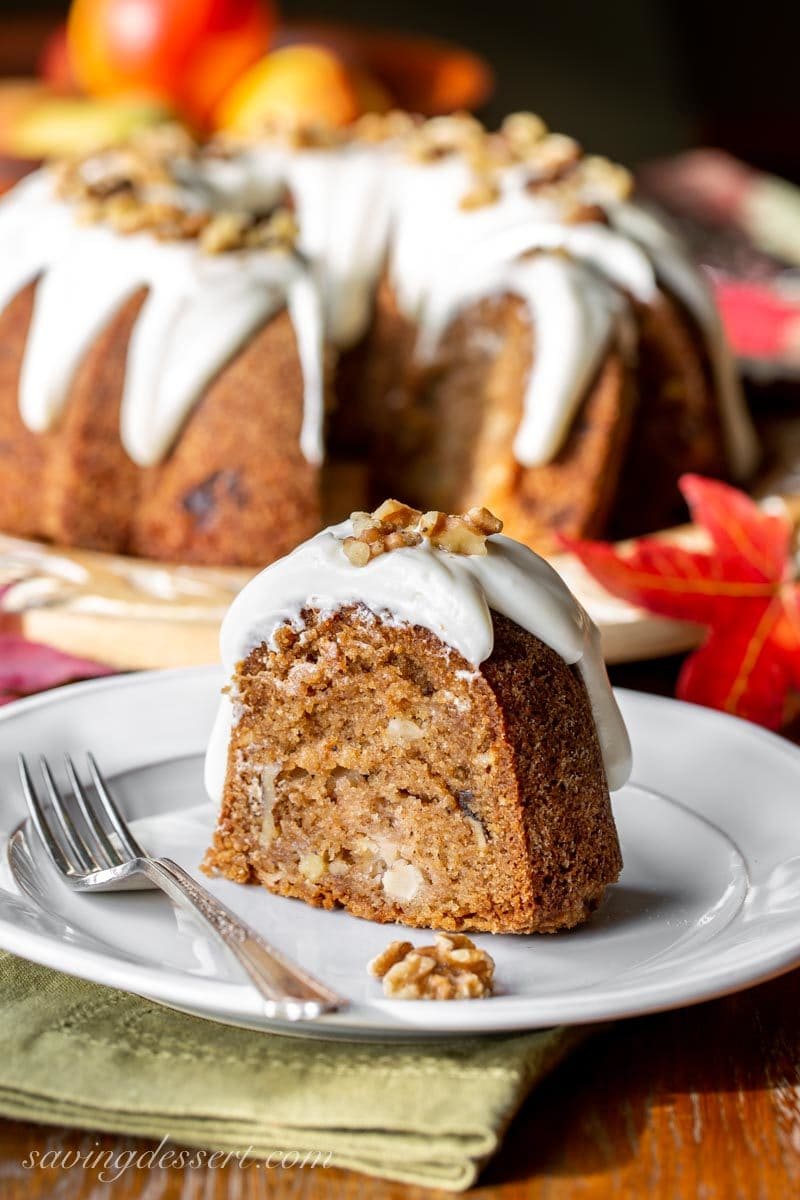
column 418, row 727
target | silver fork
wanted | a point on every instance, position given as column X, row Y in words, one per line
column 99, row 853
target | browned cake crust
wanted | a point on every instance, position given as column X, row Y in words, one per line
column 446, row 438
column 451, row 444
column 677, row 427
column 91, row 486
column 235, row 488
column 22, row 453
column 374, row 768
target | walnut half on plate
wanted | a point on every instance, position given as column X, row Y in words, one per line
column 453, row 968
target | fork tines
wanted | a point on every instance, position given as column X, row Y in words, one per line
column 78, row 847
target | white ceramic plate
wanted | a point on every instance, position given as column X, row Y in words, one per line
column 709, row 900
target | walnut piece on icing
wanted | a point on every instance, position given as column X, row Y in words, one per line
column 395, row 525
column 147, row 159
column 458, row 133
column 128, row 212
column 143, row 172
column 246, row 231
column 294, row 131
column 453, row 968
column 135, row 188
column 523, row 131
column 556, row 163
column 386, row 127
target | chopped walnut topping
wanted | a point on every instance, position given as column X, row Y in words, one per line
column 152, row 167
column 439, row 137
column 385, row 127
column 294, row 131
column 147, row 159
column 393, row 514
column 358, row 552
column 559, row 170
column 244, row 231
column 224, row 232
column 583, row 214
column 279, row 228
column 604, row 179
column 126, row 211
column 136, row 188
column 553, row 154
column 453, row 968
column 395, row 525
column 522, row 131
column 140, row 186
column 486, row 191
column 298, row 133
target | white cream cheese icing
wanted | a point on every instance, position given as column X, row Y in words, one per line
column 198, row 312
column 343, row 202
column 575, row 316
column 365, row 209
column 452, row 595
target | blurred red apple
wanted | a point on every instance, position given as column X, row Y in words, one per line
column 54, row 66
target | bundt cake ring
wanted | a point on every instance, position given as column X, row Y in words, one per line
column 198, row 345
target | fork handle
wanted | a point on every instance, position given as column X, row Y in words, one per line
column 290, row 993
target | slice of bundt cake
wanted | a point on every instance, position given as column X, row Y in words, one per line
column 418, row 727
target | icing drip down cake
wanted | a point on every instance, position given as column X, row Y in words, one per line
column 205, row 350
column 418, row 727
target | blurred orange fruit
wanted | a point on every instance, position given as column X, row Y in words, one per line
column 54, row 65
column 421, row 74
column 185, row 53
column 301, row 85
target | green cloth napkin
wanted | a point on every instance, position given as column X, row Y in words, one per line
column 431, row 1113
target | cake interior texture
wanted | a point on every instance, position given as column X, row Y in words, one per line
column 447, row 440
column 372, row 767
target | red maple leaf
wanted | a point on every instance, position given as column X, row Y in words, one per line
column 743, row 590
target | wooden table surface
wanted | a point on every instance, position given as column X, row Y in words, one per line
column 701, row 1102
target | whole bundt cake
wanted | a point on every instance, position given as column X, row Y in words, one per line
column 205, row 351
column 418, row 727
